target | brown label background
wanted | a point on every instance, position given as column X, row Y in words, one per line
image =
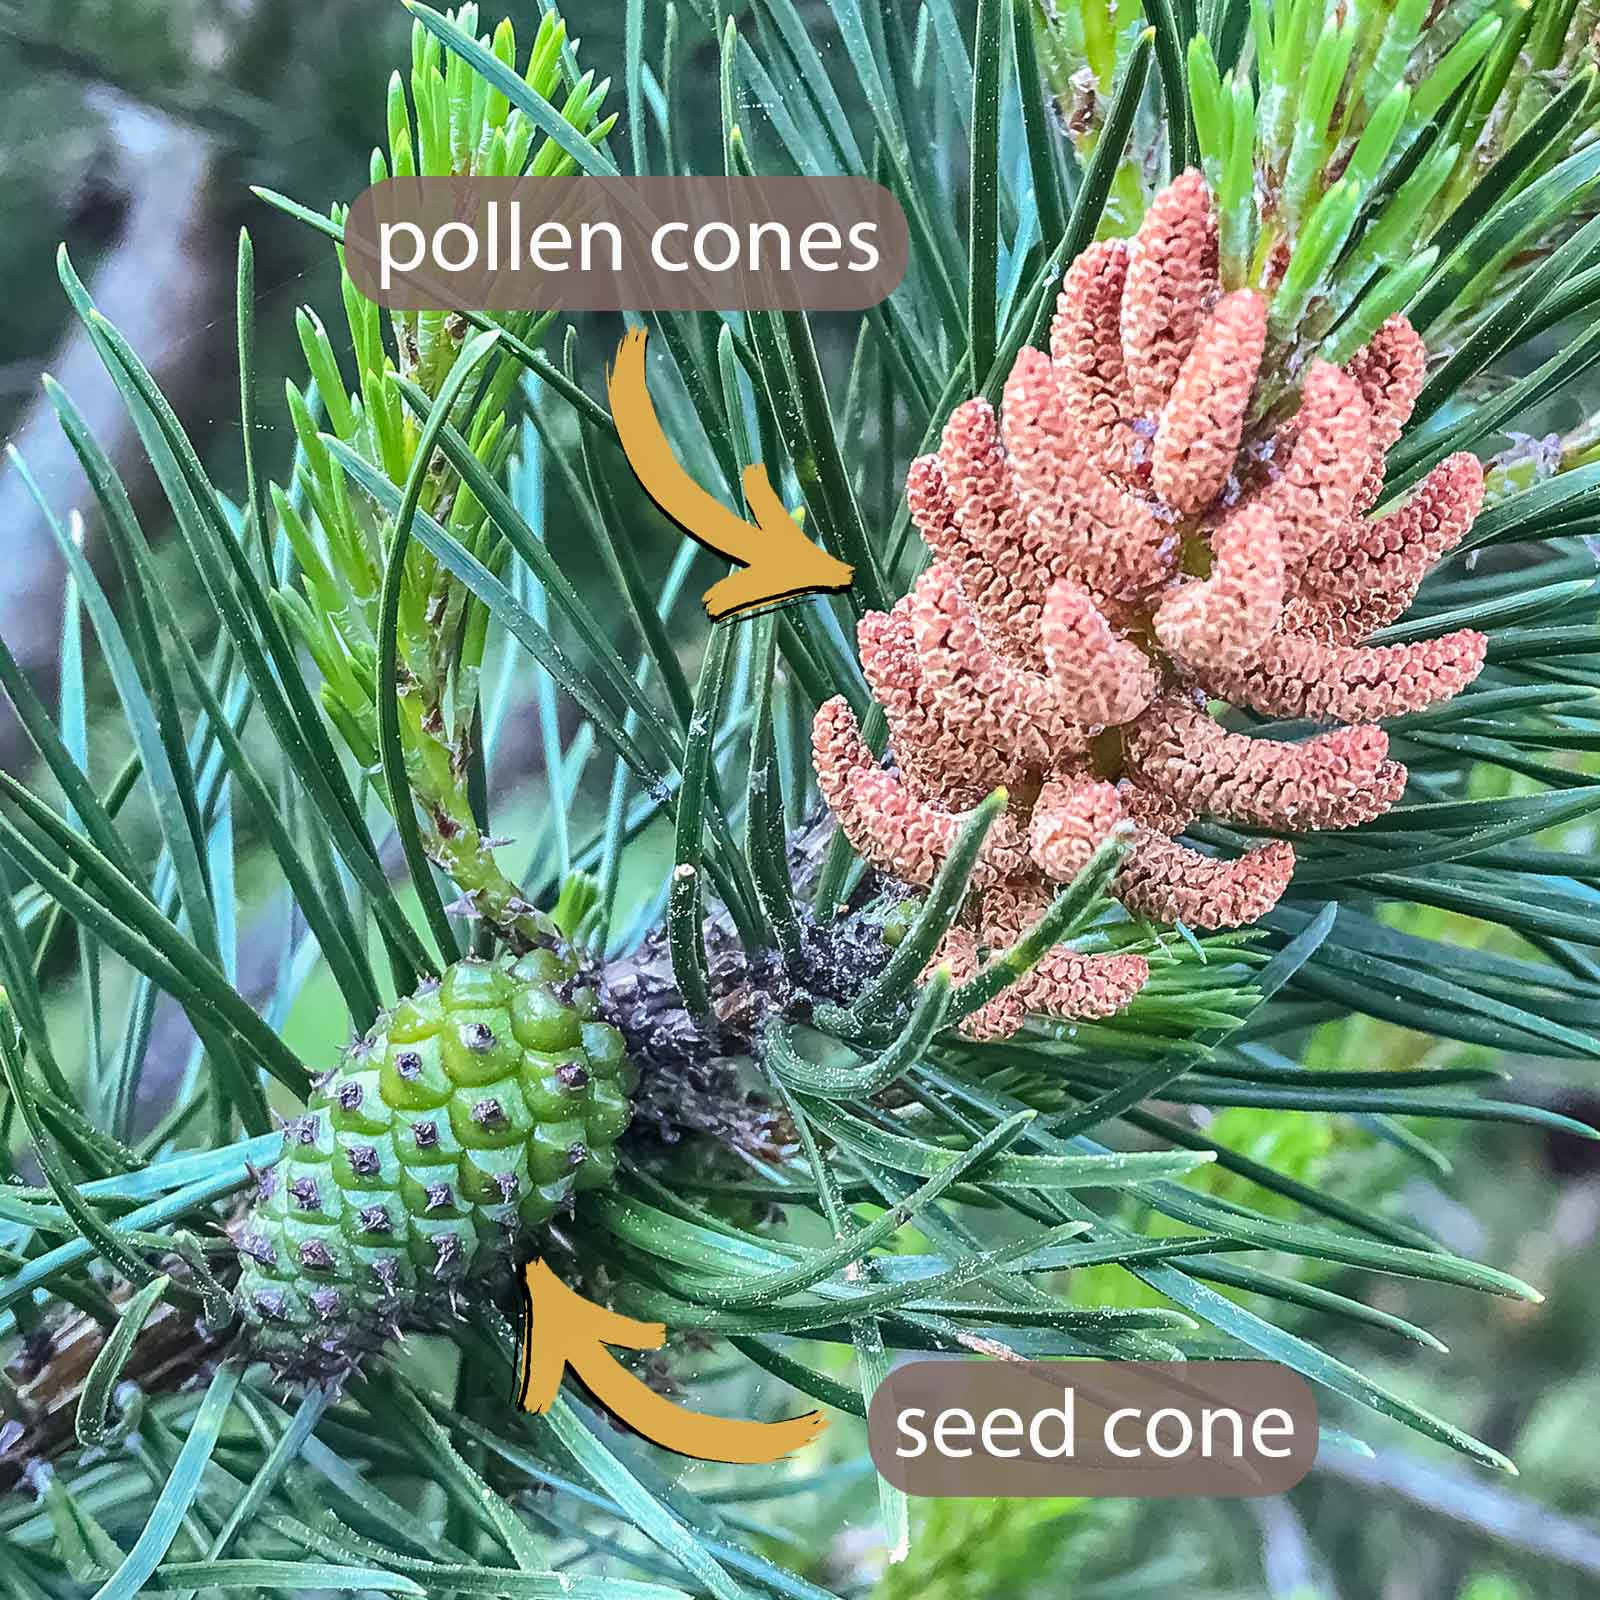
column 1101, row 1387
column 637, row 207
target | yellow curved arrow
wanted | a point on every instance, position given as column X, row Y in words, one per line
column 779, row 561
column 563, row 1330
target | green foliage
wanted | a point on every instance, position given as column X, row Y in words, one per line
column 1344, row 144
column 345, row 547
column 1163, row 1184
column 981, row 1547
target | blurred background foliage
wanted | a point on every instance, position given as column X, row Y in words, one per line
column 130, row 124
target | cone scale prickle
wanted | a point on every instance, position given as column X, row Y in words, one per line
column 471, row 1114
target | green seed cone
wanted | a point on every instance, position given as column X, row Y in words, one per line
column 470, row 1115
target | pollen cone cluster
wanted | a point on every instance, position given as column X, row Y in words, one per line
column 1113, row 554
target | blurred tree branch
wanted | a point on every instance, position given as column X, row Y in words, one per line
column 1486, row 1509
column 164, row 281
column 165, row 278
column 236, row 116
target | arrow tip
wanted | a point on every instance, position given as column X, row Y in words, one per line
column 778, row 560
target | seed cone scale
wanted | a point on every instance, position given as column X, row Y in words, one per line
column 472, row 1113
column 1116, row 552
